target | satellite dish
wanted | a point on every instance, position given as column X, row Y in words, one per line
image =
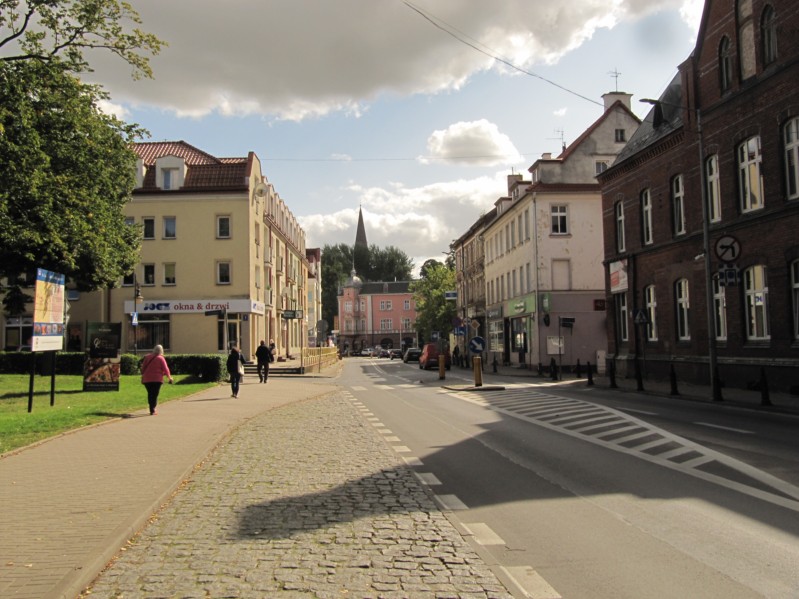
column 260, row 190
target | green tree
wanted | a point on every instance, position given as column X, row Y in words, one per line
column 68, row 170
column 61, row 30
column 433, row 311
column 336, row 267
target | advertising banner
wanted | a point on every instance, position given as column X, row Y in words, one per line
column 48, row 312
column 102, row 366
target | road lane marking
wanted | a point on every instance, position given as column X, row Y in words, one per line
column 482, row 533
column 645, row 412
column 412, row 461
column 531, row 583
column 393, row 439
column 358, row 388
column 401, row 448
column 427, row 478
column 450, row 502
column 726, row 428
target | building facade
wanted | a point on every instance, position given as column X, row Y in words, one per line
column 701, row 209
column 223, row 260
column 376, row 314
column 545, row 295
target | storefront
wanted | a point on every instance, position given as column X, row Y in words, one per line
column 521, row 312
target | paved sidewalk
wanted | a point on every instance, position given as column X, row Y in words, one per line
column 285, row 491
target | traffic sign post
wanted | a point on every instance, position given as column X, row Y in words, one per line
column 477, row 345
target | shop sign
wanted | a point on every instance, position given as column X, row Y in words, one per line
column 243, row 306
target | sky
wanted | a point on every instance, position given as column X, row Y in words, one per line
column 413, row 111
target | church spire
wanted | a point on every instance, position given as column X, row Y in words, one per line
column 360, row 235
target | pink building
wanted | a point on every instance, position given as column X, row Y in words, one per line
column 376, row 314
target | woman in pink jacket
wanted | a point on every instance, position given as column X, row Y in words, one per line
column 153, row 371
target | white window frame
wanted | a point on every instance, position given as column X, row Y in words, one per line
column 385, row 305
column 791, row 144
column 148, row 222
column 174, row 221
column 682, row 305
column 651, row 305
column 750, row 175
column 646, row 217
column 678, row 204
column 220, row 268
column 622, row 325
column 720, row 308
column 618, row 211
column 220, row 218
column 559, row 218
column 169, row 268
column 713, row 188
column 386, row 324
column 755, row 281
column 795, row 297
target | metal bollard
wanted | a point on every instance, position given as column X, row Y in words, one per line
column 590, row 375
column 578, row 370
column 553, row 369
column 441, row 367
column 673, row 381
column 477, row 365
column 765, row 398
column 612, row 375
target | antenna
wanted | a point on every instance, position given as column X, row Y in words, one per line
column 615, row 74
column 561, row 137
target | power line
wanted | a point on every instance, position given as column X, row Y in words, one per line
column 400, row 159
column 449, row 29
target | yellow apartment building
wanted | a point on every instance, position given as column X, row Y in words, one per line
column 223, row 260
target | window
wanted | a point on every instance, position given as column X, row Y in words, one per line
column 720, row 309
column 515, row 283
column 750, row 178
column 152, row 330
column 682, row 305
column 169, row 273
column 128, row 280
column 406, row 304
column 651, row 313
column 385, row 305
column 385, row 324
column 795, row 297
column 725, row 64
column 713, row 188
column 619, row 211
column 560, row 220
column 223, row 227
column 149, row 274
column 149, row 227
column 170, row 227
column 406, row 324
column 526, row 224
column 600, row 166
column 756, row 297
column 348, row 306
column 223, row 273
column 768, row 35
column 170, row 178
column 620, row 136
column 792, row 158
column 507, row 238
column 746, row 39
column 678, row 205
column 621, row 316
column 646, row 217
column 513, row 234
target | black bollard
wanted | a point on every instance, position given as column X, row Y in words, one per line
column 578, row 370
column 765, row 399
column 494, row 364
column 590, row 375
column 540, row 369
column 639, row 378
column 612, row 374
column 717, row 391
column 673, row 381
column 553, row 369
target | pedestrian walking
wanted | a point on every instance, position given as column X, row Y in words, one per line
column 235, row 368
column 263, row 356
column 153, row 370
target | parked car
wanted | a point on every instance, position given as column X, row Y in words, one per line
column 431, row 356
column 383, row 353
column 395, row 353
column 367, row 351
column 412, row 355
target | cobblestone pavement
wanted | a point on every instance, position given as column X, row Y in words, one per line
column 305, row 500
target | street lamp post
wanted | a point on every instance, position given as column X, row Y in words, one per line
column 711, row 316
column 137, row 299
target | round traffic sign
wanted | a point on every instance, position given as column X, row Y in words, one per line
column 477, row 345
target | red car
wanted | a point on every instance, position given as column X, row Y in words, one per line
column 431, row 355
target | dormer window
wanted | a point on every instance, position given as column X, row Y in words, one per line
column 170, row 172
column 169, row 178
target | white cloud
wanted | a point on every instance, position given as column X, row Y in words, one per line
column 300, row 59
column 476, row 143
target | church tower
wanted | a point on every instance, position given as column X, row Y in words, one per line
column 360, row 235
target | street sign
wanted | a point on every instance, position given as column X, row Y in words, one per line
column 134, row 319
column 639, row 316
column 475, row 324
column 729, row 275
column 450, row 295
column 567, row 322
column 728, row 248
column 477, row 345
column 292, row 314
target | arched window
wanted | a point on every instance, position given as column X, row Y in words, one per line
column 713, row 188
column 646, row 217
column 678, row 205
column 768, row 34
column 756, row 296
column 725, row 64
column 682, row 305
column 746, row 39
column 750, row 177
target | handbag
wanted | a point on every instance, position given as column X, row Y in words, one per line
column 240, row 367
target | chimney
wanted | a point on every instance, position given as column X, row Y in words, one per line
column 612, row 97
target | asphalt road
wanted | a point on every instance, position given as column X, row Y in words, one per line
column 579, row 493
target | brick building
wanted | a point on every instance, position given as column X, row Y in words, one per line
column 701, row 209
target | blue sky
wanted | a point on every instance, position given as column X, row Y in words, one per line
column 368, row 103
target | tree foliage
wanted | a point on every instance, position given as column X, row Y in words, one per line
column 371, row 264
column 433, row 311
column 62, row 30
column 68, row 170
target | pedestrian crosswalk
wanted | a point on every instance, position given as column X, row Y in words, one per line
column 623, row 432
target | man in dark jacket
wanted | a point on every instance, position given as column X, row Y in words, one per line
column 263, row 355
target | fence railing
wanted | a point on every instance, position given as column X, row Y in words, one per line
column 316, row 358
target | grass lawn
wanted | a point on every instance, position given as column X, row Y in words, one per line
column 73, row 408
